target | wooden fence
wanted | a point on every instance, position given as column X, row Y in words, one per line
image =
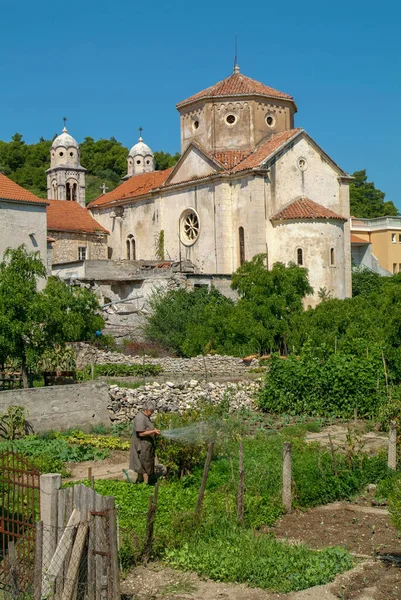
column 77, row 549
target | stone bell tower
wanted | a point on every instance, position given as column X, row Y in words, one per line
column 66, row 176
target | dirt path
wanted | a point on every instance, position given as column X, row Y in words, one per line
column 368, row 581
column 370, row 442
column 108, row 468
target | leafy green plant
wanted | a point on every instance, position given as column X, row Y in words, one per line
column 59, row 358
column 91, row 440
column 324, row 384
column 14, row 423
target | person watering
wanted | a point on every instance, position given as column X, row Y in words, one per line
column 142, row 450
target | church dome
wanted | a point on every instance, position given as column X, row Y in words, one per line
column 140, row 149
column 65, row 140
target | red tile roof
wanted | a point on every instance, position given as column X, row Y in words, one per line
column 259, row 155
column 358, row 240
column 236, row 84
column 63, row 215
column 9, row 190
column 231, row 158
column 133, row 187
column 304, row 208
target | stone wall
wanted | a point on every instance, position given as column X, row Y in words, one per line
column 65, row 248
column 177, row 397
column 199, row 365
column 61, row 407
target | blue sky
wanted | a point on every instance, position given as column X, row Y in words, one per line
column 112, row 67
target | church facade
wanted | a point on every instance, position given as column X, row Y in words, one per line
column 247, row 182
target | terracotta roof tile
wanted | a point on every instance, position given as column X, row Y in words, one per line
column 358, row 240
column 259, row 155
column 231, row 158
column 9, row 190
column 236, row 84
column 304, row 208
column 133, row 187
column 63, row 215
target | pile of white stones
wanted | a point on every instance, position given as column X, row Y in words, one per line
column 177, row 397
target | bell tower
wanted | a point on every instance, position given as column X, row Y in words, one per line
column 66, row 176
column 140, row 158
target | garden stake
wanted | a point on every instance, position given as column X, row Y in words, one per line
column 150, row 520
column 333, row 456
column 204, row 479
column 241, row 485
column 287, row 477
column 392, row 446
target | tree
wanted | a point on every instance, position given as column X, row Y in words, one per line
column 33, row 321
column 202, row 321
column 165, row 160
column 366, row 200
column 19, row 328
column 269, row 299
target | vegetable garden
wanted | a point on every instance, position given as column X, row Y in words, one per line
column 216, row 544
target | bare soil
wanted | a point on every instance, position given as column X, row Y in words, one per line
column 370, row 442
column 108, row 468
column 361, row 530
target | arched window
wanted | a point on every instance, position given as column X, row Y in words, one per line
column 54, row 190
column 300, row 257
column 131, row 247
column 71, row 191
column 332, row 257
column 241, row 234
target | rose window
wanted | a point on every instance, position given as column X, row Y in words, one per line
column 189, row 227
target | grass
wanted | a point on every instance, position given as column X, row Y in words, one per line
column 132, row 385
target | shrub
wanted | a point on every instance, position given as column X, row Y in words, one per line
column 120, row 370
column 153, row 349
column 325, row 385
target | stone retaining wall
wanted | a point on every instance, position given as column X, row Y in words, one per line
column 199, row 365
column 61, row 406
column 177, row 397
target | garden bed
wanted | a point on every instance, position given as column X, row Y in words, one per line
column 359, row 530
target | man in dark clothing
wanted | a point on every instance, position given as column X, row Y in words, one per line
column 142, row 451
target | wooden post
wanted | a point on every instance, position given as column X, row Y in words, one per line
column 113, row 540
column 37, row 586
column 392, row 446
column 333, row 456
column 49, row 486
column 75, row 561
column 241, row 485
column 147, row 550
column 287, row 477
column 204, row 479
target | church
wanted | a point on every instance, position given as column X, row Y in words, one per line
column 247, row 182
